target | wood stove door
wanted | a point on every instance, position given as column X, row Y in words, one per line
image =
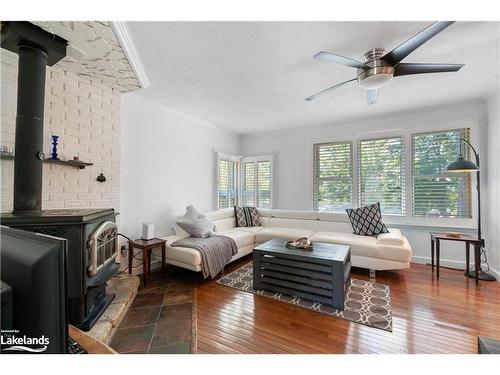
column 102, row 246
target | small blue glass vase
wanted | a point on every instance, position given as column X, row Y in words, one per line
column 54, row 147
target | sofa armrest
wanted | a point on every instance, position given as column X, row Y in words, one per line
column 173, row 238
column 393, row 238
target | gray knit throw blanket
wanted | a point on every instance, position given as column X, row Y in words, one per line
column 215, row 251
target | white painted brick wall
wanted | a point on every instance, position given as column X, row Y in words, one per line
column 85, row 114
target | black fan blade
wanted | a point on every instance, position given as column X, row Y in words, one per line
column 371, row 96
column 399, row 53
column 338, row 59
column 405, row 69
column 328, row 89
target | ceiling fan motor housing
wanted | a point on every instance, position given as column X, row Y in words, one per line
column 377, row 72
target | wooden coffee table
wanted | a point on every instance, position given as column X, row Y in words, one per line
column 320, row 275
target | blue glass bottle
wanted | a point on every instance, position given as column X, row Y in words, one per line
column 54, row 147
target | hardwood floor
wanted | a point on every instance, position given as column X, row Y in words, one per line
column 429, row 316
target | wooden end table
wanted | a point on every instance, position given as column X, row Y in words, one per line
column 146, row 246
column 468, row 239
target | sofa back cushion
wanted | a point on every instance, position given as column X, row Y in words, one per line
column 224, row 224
column 295, row 214
column 318, row 221
column 294, row 223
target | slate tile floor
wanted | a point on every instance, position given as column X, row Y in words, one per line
column 160, row 320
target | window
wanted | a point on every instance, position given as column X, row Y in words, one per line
column 223, row 178
column 245, row 181
column 404, row 171
column 381, row 174
column 256, row 181
column 248, row 186
column 263, row 184
column 228, row 173
column 435, row 192
column 333, row 183
column 234, row 168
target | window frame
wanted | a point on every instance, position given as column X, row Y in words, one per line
column 402, row 173
column 467, row 154
column 242, row 160
column 230, row 158
column 256, row 160
column 406, row 133
column 317, row 179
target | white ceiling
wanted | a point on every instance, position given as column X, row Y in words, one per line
column 253, row 76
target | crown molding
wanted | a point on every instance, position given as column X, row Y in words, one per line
column 123, row 35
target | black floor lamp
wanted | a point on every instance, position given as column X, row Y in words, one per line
column 462, row 165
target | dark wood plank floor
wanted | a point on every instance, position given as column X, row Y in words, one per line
column 429, row 316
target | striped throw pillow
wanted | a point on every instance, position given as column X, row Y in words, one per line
column 246, row 217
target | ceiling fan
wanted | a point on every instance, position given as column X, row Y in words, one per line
column 379, row 68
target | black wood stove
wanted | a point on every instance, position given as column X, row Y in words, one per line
column 91, row 233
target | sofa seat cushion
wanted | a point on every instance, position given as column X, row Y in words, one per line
column 241, row 238
column 184, row 255
column 276, row 232
column 366, row 246
column 252, row 230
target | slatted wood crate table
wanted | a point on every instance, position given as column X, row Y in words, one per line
column 321, row 274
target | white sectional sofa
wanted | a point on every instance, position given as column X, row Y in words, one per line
column 389, row 251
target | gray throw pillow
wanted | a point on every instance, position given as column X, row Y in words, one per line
column 196, row 223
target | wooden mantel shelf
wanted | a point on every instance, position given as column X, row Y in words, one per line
column 70, row 163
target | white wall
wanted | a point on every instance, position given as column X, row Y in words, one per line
column 293, row 155
column 493, row 177
column 167, row 163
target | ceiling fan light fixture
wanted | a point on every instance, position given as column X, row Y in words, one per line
column 375, row 81
column 376, row 77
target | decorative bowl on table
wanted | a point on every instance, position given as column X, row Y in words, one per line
column 300, row 243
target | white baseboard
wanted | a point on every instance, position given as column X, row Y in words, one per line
column 443, row 262
column 495, row 273
column 450, row 263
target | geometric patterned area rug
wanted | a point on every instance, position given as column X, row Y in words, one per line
column 366, row 302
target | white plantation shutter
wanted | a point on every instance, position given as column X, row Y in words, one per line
column 333, row 177
column 248, row 184
column 223, row 183
column 244, row 181
column 228, row 182
column 437, row 193
column 264, row 184
column 234, row 182
column 381, row 171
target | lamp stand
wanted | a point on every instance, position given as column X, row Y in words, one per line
column 483, row 275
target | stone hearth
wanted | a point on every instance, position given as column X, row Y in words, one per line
column 125, row 287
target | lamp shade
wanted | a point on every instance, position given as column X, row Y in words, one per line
column 461, row 165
